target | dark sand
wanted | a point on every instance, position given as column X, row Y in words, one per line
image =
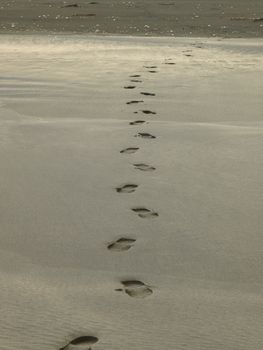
column 225, row 18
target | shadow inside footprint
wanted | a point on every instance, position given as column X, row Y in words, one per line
column 84, row 15
column 83, row 342
column 146, row 111
column 121, row 244
column 129, row 150
column 137, row 122
column 145, row 135
column 145, row 213
column 136, row 81
column 144, row 167
column 150, row 67
column 129, row 188
column 168, row 4
column 135, row 76
column 134, row 101
column 152, row 71
column 147, row 94
column 129, row 87
column 170, row 63
column 70, row 5
column 136, row 289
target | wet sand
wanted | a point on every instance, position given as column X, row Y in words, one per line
column 131, row 175
column 226, row 18
column 131, row 193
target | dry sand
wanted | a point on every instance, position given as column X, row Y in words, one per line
column 193, row 218
column 225, row 18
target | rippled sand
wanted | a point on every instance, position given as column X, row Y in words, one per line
column 136, row 241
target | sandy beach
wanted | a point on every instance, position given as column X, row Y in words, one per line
column 131, row 175
column 131, row 193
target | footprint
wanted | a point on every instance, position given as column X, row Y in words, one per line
column 144, row 167
column 147, row 94
column 136, row 289
column 170, row 63
column 134, row 101
column 129, row 87
column 84, row 15
column 83, row 342
column 129, row 188
column 152, row 71
column 121, row 244
column 168, row 4
column 135, row 76
column 150, row 67
column 146, row 111
column 137, row 122
column 145, row 135
column 145, row 213
column 129, row 150
column 70, row 5
column 136, row 81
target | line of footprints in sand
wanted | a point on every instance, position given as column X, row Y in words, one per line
column 137, row 288
column 133, row 288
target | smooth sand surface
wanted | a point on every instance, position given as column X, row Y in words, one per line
column 225, row 18
column 191, row 272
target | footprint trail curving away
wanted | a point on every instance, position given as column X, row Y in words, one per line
column 183, row 248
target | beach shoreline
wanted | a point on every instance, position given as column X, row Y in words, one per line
column 141, row 17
